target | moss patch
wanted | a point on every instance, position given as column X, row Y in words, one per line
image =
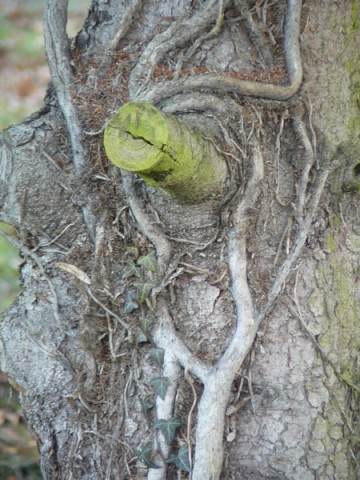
column 165, row 152
column 352, row 29
column 353, row 25
column 343, row 333
column 336, row 307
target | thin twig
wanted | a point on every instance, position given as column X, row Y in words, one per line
column 277, row 160
column 52, row 161
column 314, row 141
column 189, row 418
column 98, row 132
column 309, row 158
column 104, row 307
column 286, row 233
column 250, row 384
column 55, row 239
column 36, row 343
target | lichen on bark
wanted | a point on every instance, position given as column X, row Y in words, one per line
column 337, row 344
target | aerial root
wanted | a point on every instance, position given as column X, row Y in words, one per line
column 58, row 54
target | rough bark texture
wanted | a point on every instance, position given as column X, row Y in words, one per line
column 74, row 339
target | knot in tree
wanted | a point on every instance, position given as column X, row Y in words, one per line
column 165, row 152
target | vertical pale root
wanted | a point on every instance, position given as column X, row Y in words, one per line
column 210, row 427
column 217, row 385
column 165, row 410
column 165, row 152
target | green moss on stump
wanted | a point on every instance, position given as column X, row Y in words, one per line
column 165, row 152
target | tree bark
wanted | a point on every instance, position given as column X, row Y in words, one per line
column 233, row 321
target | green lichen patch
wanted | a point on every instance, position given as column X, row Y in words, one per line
column 353, row 24
column 330, row 242
column 340, row 310
column 352, row 30
column 165, row 152
column 352, row 186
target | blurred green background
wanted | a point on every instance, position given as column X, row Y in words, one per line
column 24, row 77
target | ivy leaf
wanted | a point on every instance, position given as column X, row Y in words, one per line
column 182, row 460
column 131, row 270
column 157, row 356
column 132, row 248
column 130, row 301
column 172, row 459
column 143, row 289
column 146, row 406
column 138, row 339
column 148, row 261
column 145, row 324
column 160, row 385
column 130, row 305
column 141, row 338
column 145, row 456
column 168, row 428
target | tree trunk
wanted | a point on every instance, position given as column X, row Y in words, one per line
column 220, row 334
